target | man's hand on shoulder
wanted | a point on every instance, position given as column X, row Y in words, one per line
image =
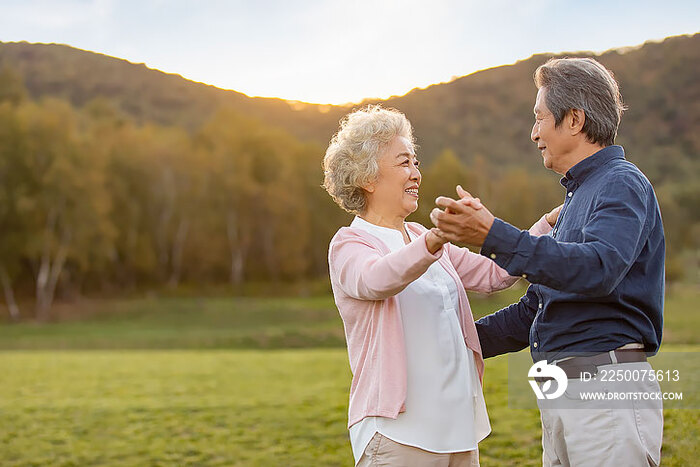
column 553, row 215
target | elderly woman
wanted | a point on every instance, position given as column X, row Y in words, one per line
column 416, row 395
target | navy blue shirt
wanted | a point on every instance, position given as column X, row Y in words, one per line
column 597, row 278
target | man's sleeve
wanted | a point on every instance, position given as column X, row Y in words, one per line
column 609, row 243
column 508, row 330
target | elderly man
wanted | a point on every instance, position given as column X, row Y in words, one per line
column 596, row 299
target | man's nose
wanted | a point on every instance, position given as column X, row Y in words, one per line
column 535, row 133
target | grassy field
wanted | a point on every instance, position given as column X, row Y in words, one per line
column 248, row 323
column 225, row 381
column 133, row 408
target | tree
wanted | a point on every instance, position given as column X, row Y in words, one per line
column 12, row 87
column 61, row 205
column 12, row 172
column 233, row 193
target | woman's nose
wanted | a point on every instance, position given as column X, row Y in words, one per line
column 415, row 174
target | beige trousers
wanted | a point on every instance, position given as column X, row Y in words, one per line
column 382, row 451
column 582, row 433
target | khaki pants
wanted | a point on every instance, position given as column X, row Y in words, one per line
column 382, row 451
column 586, row 433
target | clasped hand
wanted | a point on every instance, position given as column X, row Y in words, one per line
column 466, row 220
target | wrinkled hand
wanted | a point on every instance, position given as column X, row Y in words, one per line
column 552, row 215
column 434, row 240
column 466, row 198
column 465, row 220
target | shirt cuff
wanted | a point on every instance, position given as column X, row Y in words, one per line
column 500, row 243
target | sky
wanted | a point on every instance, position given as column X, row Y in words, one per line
column 325, row 51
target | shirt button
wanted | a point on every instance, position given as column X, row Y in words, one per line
column 571, row 193
column 524, row 276
column 493, row 255
column 534, row 345
column 540, row 305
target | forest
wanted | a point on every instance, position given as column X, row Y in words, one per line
column 116, row 178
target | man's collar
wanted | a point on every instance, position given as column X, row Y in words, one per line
column 590, row 164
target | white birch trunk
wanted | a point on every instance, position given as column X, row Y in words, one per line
column 166, row 214
column 42, row 277
column 268, row 244
column 50, row 268
column 177, row 253
column 238, row 248
column 9, row 294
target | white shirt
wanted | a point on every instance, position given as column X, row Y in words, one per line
column 445, row 407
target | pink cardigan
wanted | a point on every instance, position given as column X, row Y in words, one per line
column 366, row 278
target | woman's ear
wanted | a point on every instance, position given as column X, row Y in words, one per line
column 577, row 117
column 369, row 187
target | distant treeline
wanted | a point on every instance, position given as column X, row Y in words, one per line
column 91, row 202
column 97, row 199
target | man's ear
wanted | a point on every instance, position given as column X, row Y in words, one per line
column 575, row 119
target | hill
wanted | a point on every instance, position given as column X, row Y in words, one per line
column 487, row 113
column 144, row 94
column 490, row 112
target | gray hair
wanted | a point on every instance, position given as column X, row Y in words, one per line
column 585, row 84
column 350, row 162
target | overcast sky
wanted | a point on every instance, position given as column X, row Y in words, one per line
column 341, row 51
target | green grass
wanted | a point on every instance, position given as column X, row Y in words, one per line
column 221, row 381
column 682, row 316
column 224, row 408
column 247, row 323
column 174, row 408
column 196, row 323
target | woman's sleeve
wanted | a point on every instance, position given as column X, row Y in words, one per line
column 363, row 273
column 479, row 273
